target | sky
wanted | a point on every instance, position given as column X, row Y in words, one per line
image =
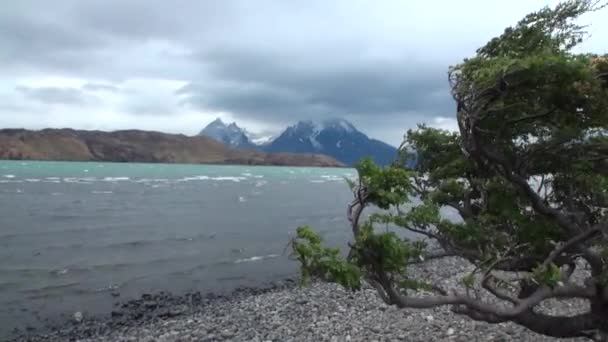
column 174, row 66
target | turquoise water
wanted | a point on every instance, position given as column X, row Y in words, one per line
column 70, row 233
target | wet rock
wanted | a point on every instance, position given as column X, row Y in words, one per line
column 115, row 313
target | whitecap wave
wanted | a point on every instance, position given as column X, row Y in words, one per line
column 116, row 179
column 332, row 178
column 242, row 199
column 256, row 258
column 317, row 181
column 259, row 184
column 8, row 176
column 79, row 180
column 193, row 178
column 234, row 179
column 32, row 180
column 101, row 192
column 246, row 174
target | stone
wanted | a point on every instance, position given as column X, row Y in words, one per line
column 115, row 313
column 227, row 334
column 151, row 304
column 78, row 317
column 450, row 332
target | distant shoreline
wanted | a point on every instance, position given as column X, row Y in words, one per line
column 170, row 163
column 141, row 147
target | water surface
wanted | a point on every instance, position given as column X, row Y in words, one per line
column 70, row 233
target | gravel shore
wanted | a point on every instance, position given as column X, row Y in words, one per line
column 287, row 312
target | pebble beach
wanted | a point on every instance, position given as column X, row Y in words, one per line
column 286, row 311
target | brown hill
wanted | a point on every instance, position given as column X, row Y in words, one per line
column 139, row 146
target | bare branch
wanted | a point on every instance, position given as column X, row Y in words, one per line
column 571, row 244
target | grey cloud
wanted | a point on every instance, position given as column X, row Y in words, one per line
column 269, row 61
column 93, row 87
column 271, row 87
column 55, row 95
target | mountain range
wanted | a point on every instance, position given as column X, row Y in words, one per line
column 140, row 146
column 337, row 138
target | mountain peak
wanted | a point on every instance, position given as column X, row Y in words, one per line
column 231, row 135
column 339, row 123
column 216, row 122
column 335, row 137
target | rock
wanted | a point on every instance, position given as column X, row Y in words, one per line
column 151, row 304
column 450, row 332
column 227, row 334
column 115, row 313
column 78, row 317
column 429, row 318
column 174, row 311
column 209, row 338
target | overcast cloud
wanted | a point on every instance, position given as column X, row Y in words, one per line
column 176, row 65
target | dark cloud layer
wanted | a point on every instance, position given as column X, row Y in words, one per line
column 273, row 88
column 55, row 95
column 380, row 64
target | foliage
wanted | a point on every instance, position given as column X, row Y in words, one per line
column 526, row 174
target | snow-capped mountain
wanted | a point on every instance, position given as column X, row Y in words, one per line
column 336, row 137
column 231, row 135
column 259, row 139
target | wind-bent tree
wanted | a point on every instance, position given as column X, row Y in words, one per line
column 527, row 172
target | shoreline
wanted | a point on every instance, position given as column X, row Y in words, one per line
column 284, row 311
column 149, row 308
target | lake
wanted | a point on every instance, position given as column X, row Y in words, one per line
column 71, row 233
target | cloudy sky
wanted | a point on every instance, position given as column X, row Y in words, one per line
column 174, row 66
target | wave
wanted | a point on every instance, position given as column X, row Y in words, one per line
column 115, row 179
column 260, row 183
column 256, row 258
column 101, row 192
column 8, row 176
column 123, row 244
column 151, row 180
column 193, row 178
column 32, row 180
column 332, row 178
column 9, row 285
column 317, row 181
column 78, row 180
column 218, row 178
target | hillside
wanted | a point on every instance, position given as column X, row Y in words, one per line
column 139, row 146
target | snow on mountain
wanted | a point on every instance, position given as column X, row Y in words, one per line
column 259, row 139
column 231, row 135
column 335, row 137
